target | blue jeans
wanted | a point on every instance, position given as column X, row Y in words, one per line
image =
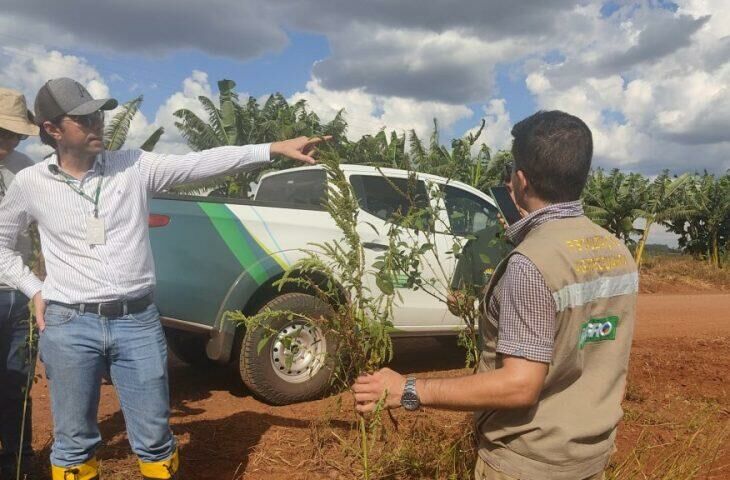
column 16, row 364
column 77, row 350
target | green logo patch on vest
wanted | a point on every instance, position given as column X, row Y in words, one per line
column 598, row 330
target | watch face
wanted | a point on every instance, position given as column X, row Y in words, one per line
column 409, row 400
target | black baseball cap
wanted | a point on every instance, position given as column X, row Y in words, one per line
column 64, row 96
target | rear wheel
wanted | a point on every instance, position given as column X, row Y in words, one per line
column 295, row 362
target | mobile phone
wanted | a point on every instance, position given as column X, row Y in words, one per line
column 505, row 204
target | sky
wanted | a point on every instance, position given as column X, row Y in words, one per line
column 650, row 78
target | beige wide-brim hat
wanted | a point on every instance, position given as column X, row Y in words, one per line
column 14, row 114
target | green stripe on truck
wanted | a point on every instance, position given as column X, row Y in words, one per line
column 239, row 240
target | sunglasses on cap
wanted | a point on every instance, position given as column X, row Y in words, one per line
column 89, row 120
column 7, row 134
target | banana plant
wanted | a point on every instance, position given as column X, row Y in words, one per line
column 232, row 122
column 704, row 226
column 379, row 150
column 615, row 201
column 478, row 169
column 115, row 133
column 659, row 205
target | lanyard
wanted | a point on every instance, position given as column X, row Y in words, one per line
column 69, row 180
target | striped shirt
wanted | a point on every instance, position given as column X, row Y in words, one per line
column 121, row 268
column 522, row 300
column 9, row 167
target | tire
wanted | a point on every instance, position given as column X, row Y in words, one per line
column 278, row 376
column 189, row 347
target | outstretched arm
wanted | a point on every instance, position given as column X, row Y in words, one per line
column 162, row 171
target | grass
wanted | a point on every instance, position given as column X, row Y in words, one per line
column 676, row 421
column 682, row 274
column 429, row 449
column 407, row 446
column 692, row 449
column 442, row 447
column 676, row 425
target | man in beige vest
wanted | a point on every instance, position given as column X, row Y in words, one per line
column 556, row 330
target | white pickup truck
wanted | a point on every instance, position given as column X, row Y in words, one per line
column 215, row 255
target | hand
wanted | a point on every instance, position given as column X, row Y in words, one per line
column 369, row 388
column 39, row 307
column 300, row 148
column 502, row 221
column 453, row 300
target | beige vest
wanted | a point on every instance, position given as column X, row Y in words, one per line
column 569, row 434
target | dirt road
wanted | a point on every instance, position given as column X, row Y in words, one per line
column 689, row 316
column 682, row 350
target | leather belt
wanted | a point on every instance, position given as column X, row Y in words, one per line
column 110, row 309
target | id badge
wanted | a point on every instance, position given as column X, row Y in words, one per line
column 95, row 232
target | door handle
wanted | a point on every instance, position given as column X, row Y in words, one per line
column 375, row 246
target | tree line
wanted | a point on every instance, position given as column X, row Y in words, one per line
column 694, row 206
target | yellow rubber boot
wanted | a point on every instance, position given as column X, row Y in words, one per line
column 84, row 471
column 164, row 469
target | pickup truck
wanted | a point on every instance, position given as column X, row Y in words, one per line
column 215, row 255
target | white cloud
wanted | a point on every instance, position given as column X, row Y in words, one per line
column 497, row 127
column 719, row 25
column 192, row 87
column 241, row 29
column 29, row 68
column 367, row 113
column 537, row 83
column 195, row 85
column 446, row 66
column 653, row 84
column 662, row 107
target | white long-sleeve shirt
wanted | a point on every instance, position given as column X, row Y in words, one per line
column 9, row 167
column 121, row 268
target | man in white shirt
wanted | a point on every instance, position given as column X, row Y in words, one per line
column 95, row 308
column 16, row 357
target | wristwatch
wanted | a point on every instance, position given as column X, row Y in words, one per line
column 409, row 400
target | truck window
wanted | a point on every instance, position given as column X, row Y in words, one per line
column 378, row 197
column 468, row 214
column 305, row 187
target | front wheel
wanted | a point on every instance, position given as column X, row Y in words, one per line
column 296, row 358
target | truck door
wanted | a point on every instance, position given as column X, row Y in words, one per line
column 473, row 221
column 379, row 200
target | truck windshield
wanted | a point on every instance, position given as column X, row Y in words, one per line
column 305, row 188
